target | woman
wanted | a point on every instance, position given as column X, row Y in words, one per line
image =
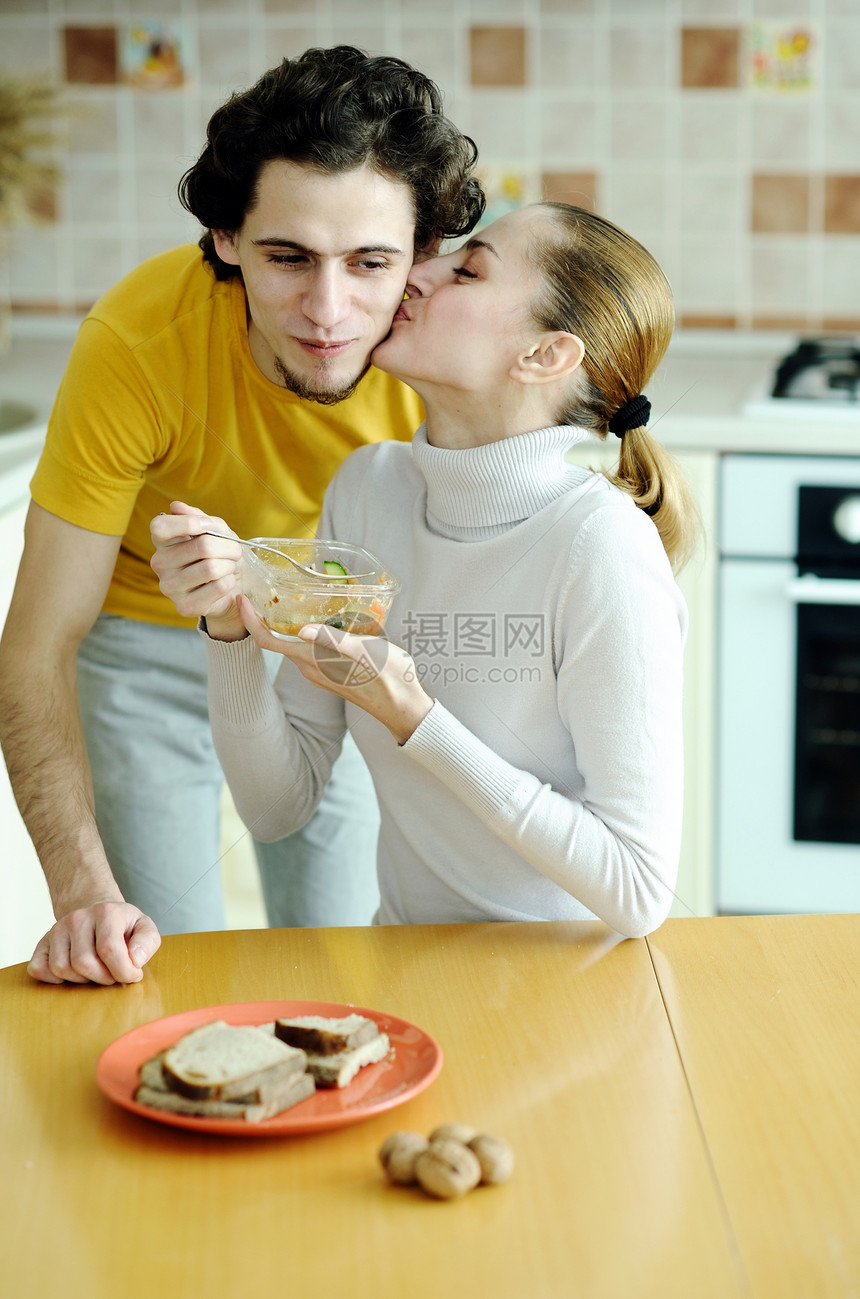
column 523, row 723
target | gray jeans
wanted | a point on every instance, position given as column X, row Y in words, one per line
column 158, row 784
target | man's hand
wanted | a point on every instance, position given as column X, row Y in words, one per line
column 200, row 574
column 108, row 942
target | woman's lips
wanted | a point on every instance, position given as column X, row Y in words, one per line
column 400, row 315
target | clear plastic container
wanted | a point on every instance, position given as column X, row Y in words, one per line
column 354, row 591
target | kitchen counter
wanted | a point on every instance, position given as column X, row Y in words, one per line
column 682, row 1109
column 30, row 374
column 698, row 397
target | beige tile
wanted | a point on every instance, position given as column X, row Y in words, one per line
column 636, row 199
column 638, row 131
column 572, row 6
column 840, row 275
column 842, row 205
column 780, row 276
column 781, row 132
column 433, row 50
column 780, row 204
column 710, row 57
column 639, row 57
column 91, row 55
column 93, row 126
column 710, row 274
column 498, row 56
column 284, row 7
column 563, row 47
column 285, row 42
column 710, row 201
column 577, row 187
column 568, row 130
column 711, row 128
column 498, row 125
column 842, row 133
column 225, row 56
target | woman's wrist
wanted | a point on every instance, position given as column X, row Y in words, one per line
column 224, row 629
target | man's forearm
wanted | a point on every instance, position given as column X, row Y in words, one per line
column 46, row 757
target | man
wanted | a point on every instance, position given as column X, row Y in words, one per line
column 235, row 380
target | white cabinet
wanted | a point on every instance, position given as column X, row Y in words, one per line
column 694, row 894
column 25, row 907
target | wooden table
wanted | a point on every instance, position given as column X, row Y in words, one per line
column 684, row 1110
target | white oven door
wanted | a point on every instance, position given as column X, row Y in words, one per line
column 760, row 866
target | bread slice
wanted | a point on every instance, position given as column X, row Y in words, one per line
column 321, row 1036
column 339, row 1070
column 296, row 1087
column 220, row 1061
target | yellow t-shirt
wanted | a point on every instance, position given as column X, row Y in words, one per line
column 162, row 401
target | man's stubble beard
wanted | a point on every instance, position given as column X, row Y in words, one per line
column 300, row 386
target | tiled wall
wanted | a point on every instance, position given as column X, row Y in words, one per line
column 725, row 134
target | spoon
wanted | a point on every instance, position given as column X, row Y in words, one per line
column 273, row 550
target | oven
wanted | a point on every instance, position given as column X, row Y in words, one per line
column 788, row 795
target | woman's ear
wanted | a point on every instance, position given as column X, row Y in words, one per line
column 225, row 246
column 553, row 357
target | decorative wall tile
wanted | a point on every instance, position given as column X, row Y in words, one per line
column 642, row 108
column 710, row 57
column 92, row 55
column 783, row 57
column 498, row 56
column 780, row 204
column 842, row 206
column 577, row 187
column 155, row 55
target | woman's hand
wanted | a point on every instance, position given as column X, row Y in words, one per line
column 200, row 574
column 366, row 670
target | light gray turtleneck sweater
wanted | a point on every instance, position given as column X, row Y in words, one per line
column 543, row 618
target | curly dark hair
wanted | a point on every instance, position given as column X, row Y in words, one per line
column 336, row 109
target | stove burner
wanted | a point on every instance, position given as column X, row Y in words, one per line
column 823, row 369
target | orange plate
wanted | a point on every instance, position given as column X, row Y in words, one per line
column 416, row 1062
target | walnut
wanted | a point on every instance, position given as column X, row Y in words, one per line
column 447, row 1169
column 398, row 1154
column 495, row 1157
column 454, row 1132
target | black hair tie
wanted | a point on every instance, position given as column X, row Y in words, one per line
column 633, row 414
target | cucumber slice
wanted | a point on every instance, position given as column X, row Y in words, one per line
column 335, row 570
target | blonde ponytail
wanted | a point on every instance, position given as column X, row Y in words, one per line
column 655, row 481
column 603, row 286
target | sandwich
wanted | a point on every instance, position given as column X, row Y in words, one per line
column 335, row 1048
column 226, row 1071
